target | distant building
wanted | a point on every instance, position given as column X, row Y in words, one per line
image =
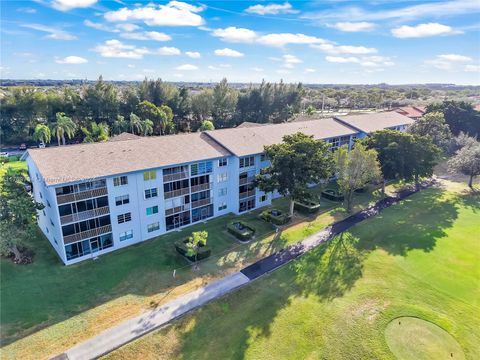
column 104, row 196
column 413, row 112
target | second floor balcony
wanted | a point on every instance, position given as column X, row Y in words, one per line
column 201, row 202
column 246, row 194
column 84, row 215
column 87, row 194
column 201, row 187
column 87, row 234
column 175, row 193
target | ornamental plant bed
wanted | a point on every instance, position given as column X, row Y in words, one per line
column 308, row 206
column 185, row 248
column 275, row 216
column 332, row 194
column 241, row 230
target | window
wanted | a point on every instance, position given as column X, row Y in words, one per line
column 222, row 177
column 204, row 167
column 222, row 162
column 152, row 210
column 122, row 200
column 124, row 217
column 247, row 161
column 263, row 157
column 222, row 192
column 46, row 228
column 126, row 235
column 149, row 175
column 150, row 193
column 41, row 196
column 43, row 211
column 120, row 180
column 222, row 206
column 55, row 240
column 48, row 204
column 153, row 227
column 51, row 223
column 263, row 198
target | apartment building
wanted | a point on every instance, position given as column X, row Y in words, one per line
column 105, row 196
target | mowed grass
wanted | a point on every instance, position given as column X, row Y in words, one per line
column 420, row 258
column 46, row 307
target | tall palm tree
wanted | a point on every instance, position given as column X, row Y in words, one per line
column 64, row 126
column 96, row 133
column 147, row 127
column 135, row 124
column 119, row 125
column 42, row 133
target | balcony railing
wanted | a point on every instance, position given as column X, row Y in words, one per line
column 247, row 180
column 62, row 199
column 247, row 194
column 177, row 209
column 84, row 215
column 87, row 234
column 201, row 187
column 175, row 193
column 201, row 202
column 174, row 177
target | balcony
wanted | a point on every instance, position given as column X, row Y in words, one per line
column 88, row 194
column 177, row 209
column 174, row 177
column 84, row 215
column 247, row 180
column 201, row 202
column 201, row 187
column 175, row 193
column 87, row 234
column 247, row 194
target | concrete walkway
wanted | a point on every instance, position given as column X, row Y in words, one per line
column 129, row 330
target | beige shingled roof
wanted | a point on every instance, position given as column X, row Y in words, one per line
column 124, row 136
column 63, row 164
column 376, row 121
column 247, row 124
column 251, row 140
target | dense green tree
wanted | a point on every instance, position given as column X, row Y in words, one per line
column 42, row 133
column 147, row 127
column 202, row 105
column 119, row 125
column 135, row 124
column 64, row 126
column 434, row 126
column 354, row 169
column 224, row 104
column 206, row 125
column 161, row 116
column 459, row 115
column 467, row 161
column 298, row 161
column 95, row 132
column 100, row 102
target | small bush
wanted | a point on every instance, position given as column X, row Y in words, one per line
column 275, row 216
column 194, row 247
column 241, row 230
column 332, row 194
column 307, row 206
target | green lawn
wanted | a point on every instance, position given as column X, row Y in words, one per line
column 420, row 258
column 47, row 307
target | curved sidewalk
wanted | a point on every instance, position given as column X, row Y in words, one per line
column 129, row 330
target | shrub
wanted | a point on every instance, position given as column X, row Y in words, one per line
column 307, row 206
column 275, row 216
column 241, row 230
column 332, row 194
column 194, row 247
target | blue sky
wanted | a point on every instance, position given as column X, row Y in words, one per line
column 331, row 41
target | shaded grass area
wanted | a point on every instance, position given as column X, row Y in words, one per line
column 419, row 258
column 47, row 307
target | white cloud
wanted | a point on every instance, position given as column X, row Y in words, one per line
column 228, row 52
column 236, row 35
column 256, row 69
column 423, row 30
column 455, row 57
column 271, row 9
column 193, row 54
column 117, row 49
column 127, row 27
column 72, row 60
column 289, row 61
column 27, row 10
column 211, row 67
column 369, row 62
column 354, row 26
column 310, row 70
column 168, row 51
column 146, row 35
column 331, row 48
column 472, row 68
column 55, row 34
column 66, row 5
column 99, row 26
column 174, row 13
column 447, row 61
column 187, row 67
column 342, row 60
column 283, row 39
column 131, row 66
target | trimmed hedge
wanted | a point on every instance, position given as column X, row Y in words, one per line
column 332, row 194
column 307, row 206
column 244, row 234
column 203, row 251
column 279, row 218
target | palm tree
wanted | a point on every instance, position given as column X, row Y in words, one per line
column 63, row 126
column 147, row 127
column 42, row 133
column 135, row 124
column 119, row 125
column 96, row 133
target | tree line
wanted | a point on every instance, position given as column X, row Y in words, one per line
column 153, row 107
